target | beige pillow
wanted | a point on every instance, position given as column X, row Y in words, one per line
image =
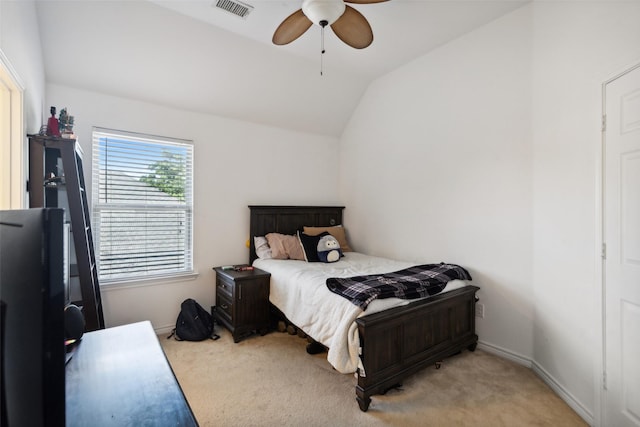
column 337, row 231
column 285, row 246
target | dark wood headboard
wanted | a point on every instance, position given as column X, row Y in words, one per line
column 288, row 220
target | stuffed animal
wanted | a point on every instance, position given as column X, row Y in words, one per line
column 329, row 249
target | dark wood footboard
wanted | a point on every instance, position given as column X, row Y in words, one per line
column 398, row 342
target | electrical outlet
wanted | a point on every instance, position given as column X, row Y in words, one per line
column 480, row 310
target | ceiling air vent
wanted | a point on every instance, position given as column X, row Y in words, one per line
column 236, row 7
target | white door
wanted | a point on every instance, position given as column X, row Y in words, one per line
column 622, row 263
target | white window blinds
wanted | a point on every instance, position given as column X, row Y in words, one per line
column 142, row 193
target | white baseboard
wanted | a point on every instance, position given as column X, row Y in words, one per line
column 505, row 354
column 568, row 398
column 164, row 329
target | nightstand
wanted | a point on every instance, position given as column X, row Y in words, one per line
column 242, row 301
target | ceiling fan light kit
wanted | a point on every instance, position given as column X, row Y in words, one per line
column 323, row 12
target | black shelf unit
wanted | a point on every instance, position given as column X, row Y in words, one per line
column 55, row 168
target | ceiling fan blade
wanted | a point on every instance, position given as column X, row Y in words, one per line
column 291, row 28
column 353, row 29
column 364, row 1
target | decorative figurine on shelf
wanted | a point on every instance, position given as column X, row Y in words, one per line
column 63, row 118
column 53, row 124
column 66, row 124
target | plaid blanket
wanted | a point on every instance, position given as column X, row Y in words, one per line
column 411, row 283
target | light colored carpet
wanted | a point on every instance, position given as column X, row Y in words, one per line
column 272, row 381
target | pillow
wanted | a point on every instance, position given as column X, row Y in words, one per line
column 262, row 247
column 285, row 246
column 337, row 231
column 329, row 249
column 310, row 245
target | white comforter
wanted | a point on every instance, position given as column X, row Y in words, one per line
column 299, row 290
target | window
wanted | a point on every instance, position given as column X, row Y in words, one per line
column 142, row 205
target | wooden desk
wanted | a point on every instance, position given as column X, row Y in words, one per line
column 121, row 377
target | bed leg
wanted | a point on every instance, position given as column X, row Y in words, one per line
column 314, row 347
column 472, row 347
column 363, row 402
column 363, row 398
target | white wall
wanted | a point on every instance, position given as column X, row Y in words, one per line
column 20, row 43
column 576, row 47
column 436, row 167
column 236, row 164
column 516, row 104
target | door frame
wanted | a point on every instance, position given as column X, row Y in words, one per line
column 600, row 250
column 14, row 138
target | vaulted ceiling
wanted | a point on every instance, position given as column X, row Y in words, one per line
column 195, row 56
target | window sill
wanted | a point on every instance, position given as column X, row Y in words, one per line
column 147, row 281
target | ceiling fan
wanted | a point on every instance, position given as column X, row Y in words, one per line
column 347, row 23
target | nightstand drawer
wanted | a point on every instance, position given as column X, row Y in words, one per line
column 224, row 287
column 224, row 306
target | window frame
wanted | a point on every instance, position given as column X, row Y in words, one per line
column 99, row 207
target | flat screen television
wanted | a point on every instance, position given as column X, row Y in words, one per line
column 32, row 295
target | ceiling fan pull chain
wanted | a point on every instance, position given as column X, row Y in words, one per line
column 322, row 25
column 321, row 49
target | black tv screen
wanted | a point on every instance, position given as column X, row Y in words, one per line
column 32, row 295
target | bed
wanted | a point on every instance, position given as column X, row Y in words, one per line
column 389, row 341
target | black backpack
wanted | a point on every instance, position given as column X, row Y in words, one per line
column 194, row 323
